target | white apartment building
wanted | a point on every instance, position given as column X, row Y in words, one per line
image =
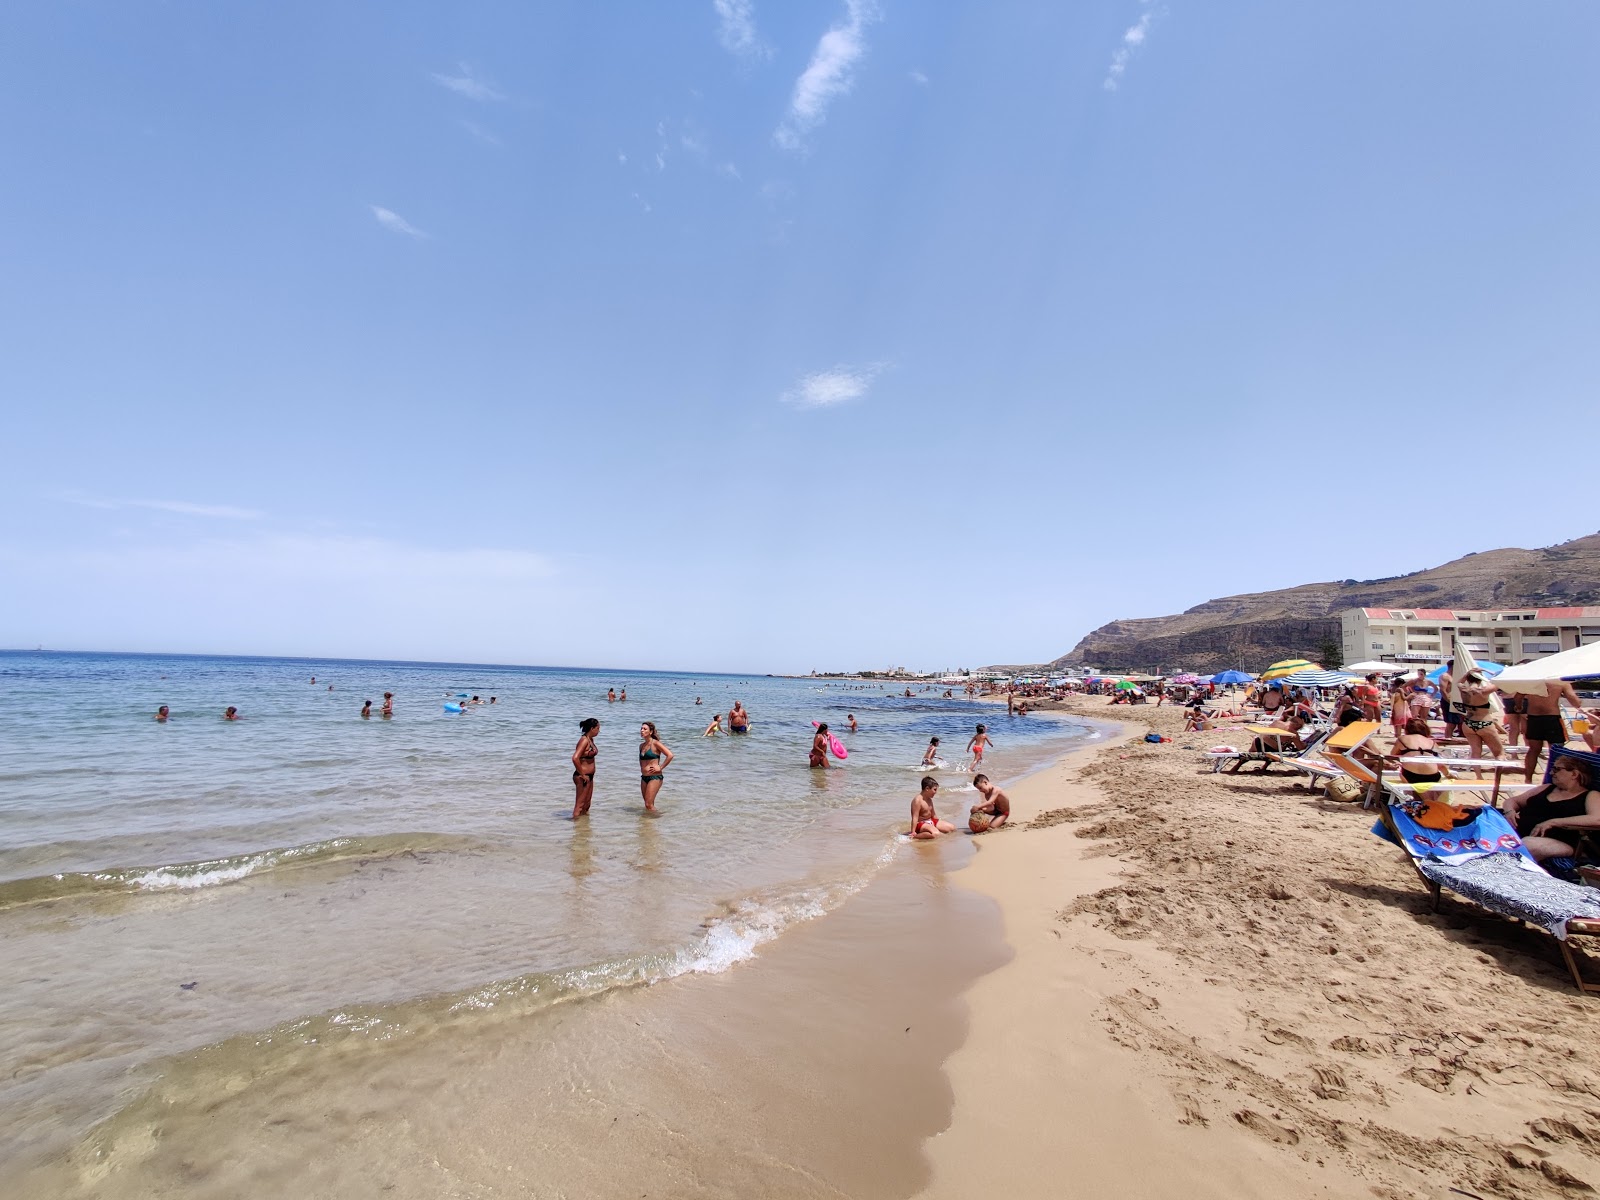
column 1429, row 635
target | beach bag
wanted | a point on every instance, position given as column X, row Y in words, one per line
column 1344, row 789
column 1153, row 737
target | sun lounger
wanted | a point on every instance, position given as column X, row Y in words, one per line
column 1486, row 864
column 1265, row 757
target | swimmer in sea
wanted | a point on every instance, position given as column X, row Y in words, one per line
column 714, row 728
column 162, row 713
column 931, row 754
column 388, row 704
column 993, row 811
column 366, row 710
column 493, row 699
column 654, row 759
column 851, row 717
column 611, row 695
column 979, row 743
column 697, row 700
column 623, row 696
column 232, row 714
column 925, row 823
column 313, row 679
column 738, row 718
column 583, row 756
column 819, row 749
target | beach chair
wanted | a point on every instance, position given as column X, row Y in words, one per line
column 1265, row 757
column 1503, row 880
column 1338, row 753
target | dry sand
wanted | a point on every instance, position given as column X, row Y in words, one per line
column 1226, row 986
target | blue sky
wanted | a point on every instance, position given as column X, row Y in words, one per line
column 776, row 336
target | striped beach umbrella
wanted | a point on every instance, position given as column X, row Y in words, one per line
column 1316, row 678
column 1288, row 666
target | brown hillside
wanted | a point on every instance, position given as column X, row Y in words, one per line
column 1259, row 627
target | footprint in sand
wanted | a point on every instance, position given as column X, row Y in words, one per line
column 1269, row 1129
column 1330, row 1084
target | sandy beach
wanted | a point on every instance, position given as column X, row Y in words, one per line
column 1226, row 986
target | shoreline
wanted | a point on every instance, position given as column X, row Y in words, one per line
column 1191, row 1012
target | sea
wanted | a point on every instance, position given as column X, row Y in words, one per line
column 304, row 882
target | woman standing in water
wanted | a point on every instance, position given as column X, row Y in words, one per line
column 654, row 759
column 819, row 748
column 583, row 756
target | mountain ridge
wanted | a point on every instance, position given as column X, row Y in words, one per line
column 1255, row 628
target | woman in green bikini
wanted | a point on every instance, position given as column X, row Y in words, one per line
column 654, row 759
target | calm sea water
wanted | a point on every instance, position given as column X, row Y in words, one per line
column 304, row 879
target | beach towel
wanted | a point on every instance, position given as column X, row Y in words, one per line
column 1475, row 833
column 1484, row 861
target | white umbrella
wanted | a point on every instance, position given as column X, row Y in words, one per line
column 1529, row 679
column 1368, row 668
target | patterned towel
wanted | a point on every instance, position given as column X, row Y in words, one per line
column 1501, row 884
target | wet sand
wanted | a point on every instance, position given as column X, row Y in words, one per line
column 812, row 1071
column 1225, row 986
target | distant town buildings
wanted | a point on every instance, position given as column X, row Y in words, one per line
column 1429, row 635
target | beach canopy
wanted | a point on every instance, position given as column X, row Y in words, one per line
column 1186, row 677
column 1529, row 678
column 1288, row 666
column 1317, row 678
column 1232, row 677
column 1368, row 668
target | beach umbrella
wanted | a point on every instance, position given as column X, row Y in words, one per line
column 1186, row 677
column 1529, row 679
column 1316, row 678
column 1369, row 668
column 1490, row 669
column 1232, row 677
column 1126, row 686
column 1288, row 666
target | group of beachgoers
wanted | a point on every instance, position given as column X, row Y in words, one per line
column 655, row 757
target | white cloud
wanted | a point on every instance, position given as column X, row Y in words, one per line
column 395, row 223
column 479, row 132
column 622, row 159
column 919, row 77
column 728, row 171
column 467, row 84
column 183, row 507
column 829, row 75
column 1132, row 39
column 736, row 29
column 838, row 385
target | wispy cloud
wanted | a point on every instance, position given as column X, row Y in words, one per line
column 736, row 29
column 830, row 74
column 468, row 84
column 183, row 507
column 1132, row 39
column 480, row 133
column 919, row 77
column 395, row 223
column 837, row 385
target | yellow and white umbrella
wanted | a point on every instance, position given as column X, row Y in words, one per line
column 1288, row 666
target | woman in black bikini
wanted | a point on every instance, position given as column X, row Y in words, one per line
column 583, row 757
column 1481, row 720
column 1415, row 740
column 654, row 759
column 1551, row 818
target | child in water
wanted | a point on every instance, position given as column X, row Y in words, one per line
column 925, row 823
column 931, row 754
column 979, row 743
column 714, row 728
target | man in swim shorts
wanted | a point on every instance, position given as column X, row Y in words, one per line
column 925, row 823
column 993, row 811
column 1543, row 722
column 738, row 718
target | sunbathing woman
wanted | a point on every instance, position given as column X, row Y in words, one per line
column 1415, row 740
column 1551, row 818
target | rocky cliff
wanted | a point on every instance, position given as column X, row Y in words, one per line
column 1260, row 627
